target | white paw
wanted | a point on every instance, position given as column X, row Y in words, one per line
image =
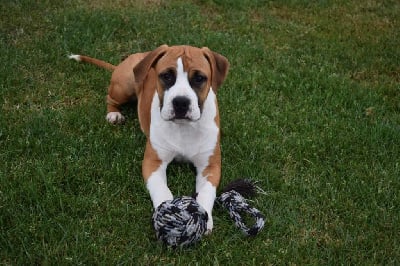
column 210, row 225
column 115, row 118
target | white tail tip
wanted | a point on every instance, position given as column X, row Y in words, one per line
column 75, row 57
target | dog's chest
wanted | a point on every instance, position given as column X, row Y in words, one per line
column 188, row 140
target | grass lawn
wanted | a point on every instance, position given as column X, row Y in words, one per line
column 310, row 109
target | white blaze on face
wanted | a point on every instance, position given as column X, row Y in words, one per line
column 181, row 88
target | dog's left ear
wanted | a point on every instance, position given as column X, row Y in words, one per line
column 141, row 70
column 219, row 67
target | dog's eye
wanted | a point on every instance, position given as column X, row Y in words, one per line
column 168, row 78
column 198, row 79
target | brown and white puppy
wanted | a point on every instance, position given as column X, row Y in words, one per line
column 177, row 107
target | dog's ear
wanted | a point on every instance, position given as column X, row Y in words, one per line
column 219, row 67
column 143, row 67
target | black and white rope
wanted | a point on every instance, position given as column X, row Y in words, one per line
column 237, row 206
column 182, row 221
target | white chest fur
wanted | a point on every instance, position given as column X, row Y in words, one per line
column 193, row 141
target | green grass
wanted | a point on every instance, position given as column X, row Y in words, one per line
column 310, row 109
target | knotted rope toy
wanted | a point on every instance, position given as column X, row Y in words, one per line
column 182, row 221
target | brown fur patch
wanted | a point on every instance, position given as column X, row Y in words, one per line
column 151, row 161
column 213, row 170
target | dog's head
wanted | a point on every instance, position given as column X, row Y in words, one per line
column 183, row 77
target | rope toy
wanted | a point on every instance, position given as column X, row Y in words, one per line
column 182, row 221
column 233, row 198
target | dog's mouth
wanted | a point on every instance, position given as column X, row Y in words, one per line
column 180, row 117
column 182, row 120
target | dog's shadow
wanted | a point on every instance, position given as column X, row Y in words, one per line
column 181, row 177
column 129, row 111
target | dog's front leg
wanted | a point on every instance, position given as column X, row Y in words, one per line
column 154, row 174
column 207, row 180
column 206, row 193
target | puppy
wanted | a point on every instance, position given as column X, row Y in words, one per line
column 175, row 88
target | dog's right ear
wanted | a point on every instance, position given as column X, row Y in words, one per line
column 219, row 67
column 140, row 70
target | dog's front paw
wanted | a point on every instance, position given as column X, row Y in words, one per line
column 210, row 225
column 115, row 118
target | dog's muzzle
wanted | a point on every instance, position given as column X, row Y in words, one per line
column 181, row 105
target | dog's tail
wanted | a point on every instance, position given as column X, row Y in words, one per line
column 91, row 60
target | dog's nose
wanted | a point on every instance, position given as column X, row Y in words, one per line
column 181, row 106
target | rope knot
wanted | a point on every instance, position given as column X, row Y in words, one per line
column 182, row 221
